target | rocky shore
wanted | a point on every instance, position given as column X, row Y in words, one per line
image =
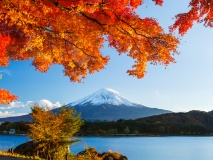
column 28, row 149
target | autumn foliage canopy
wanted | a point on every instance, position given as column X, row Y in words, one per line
column 72, row 32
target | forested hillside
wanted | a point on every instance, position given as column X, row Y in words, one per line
column 190, row 123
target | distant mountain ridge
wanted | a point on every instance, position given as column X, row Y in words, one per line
column 105, row 104
column 196, row 118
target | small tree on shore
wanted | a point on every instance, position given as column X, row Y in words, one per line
column 52, row 131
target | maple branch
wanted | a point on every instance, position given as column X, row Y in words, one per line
column 148, row 38
column 47, row 29
column 79, row 48
column 127, row 33
column 160, row 40
column 117, row 16
column 120, row 19
column 59, row 6
column 131, row 26
column 82, row 13
column 65, row 44
column 152, row 45
column 92, row 19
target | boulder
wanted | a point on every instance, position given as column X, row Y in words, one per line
column 93, row 154
column 27, row 149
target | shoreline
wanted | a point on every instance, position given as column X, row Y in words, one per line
column 2, row 157
column 127, row 135
column 5, row 155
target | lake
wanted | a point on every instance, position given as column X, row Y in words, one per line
column 138, row 148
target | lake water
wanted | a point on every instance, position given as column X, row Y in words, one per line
column 138, row 148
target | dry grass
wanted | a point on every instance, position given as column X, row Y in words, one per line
column 3, row 153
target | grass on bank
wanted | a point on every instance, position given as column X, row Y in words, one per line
column 8, row 154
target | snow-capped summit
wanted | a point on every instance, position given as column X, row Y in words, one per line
column 104, row 96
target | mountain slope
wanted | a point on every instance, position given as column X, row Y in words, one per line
column 24, row 118
column 196, row 118
column 190, row 123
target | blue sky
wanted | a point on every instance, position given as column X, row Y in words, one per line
column 183, row 86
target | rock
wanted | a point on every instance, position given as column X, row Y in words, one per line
column 27, row 149
column 93, row 154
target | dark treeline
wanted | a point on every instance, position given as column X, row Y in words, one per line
column 134, row 127
column 20, row 127
column 190, row 123
column 123, row 127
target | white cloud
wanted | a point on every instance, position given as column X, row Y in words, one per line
column 20, row 108
column 6, row 72
column 10, row 114
column 28, row 104
column 50, row 105
column 6, row 112
column 16, row 105
column 13, row 105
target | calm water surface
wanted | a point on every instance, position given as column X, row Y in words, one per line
column 9, row 141
column 138, row 148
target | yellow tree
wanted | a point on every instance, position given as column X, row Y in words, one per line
column 52, row 131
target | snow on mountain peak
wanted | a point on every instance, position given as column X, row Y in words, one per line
column 104, row 96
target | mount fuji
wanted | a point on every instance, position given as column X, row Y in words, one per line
column 103, row 96
column 107, row 104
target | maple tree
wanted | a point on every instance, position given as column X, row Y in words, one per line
column 72, row 32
